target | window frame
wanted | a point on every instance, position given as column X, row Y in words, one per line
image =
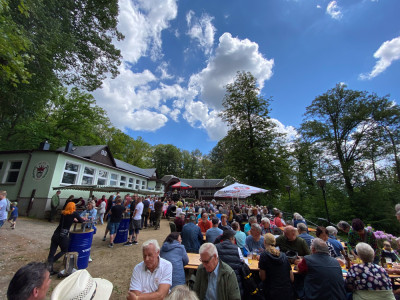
column 122, row 182
column 88, row 175
column 101, row 177
column 114, row 180
column 77, row 173
column 130, row 183
column 9, row 170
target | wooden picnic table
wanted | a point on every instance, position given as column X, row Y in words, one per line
column 194, row 262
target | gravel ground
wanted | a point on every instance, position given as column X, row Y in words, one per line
column 30, row 241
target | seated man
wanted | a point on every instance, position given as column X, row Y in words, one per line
column 224, row 225
column 323, row 274
column 302, row 229
column 204, row 223
column 152, row 278
column 191, row 236
column 214, row 231
column 290, row 241
column 214, row 278
column 255, row 241
column 30, row 282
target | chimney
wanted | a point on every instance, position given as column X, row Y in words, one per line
column 44, row 145
column 68, row 147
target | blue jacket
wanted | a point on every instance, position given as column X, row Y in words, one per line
column 192, row 237
column 176, row 254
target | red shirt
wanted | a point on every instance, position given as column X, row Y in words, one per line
column 204, row 226
column 278, row 222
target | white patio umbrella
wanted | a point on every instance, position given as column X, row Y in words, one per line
column 238, row 190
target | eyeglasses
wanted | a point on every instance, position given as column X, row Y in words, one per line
column 206, row 261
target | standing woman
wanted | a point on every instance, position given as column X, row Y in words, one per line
column 275, row 271
column 173, row 251
column 102, row 210
column 60, row 236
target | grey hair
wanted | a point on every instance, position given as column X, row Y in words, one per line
column 151, row 242
column 331, row 230
column 252, row 219
column 301, row 227
column 4, row 193
column 265, row 220
column 320, row 246
column 256, row 226
column 208, row 248
column 398, row 213
column 182, row 292
column 297, row 216
column 397, row 207
column 365, row 252
column 342, row 225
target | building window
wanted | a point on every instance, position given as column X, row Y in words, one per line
column 102, row 177
column 137, row 184
column 114, row 179
column 88, row 175
column 70, row 174
column 143, row 184
column 130, row 183
column 122, row 181
column 13, row 171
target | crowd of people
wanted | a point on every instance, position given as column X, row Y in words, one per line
column 293, row 262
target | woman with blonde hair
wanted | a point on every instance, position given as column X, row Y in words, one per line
column 60, row 236
column 275, row 271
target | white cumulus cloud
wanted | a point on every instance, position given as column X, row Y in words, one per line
column 202, row 30
column 334, row 10
column 232, row 55
column 142, row 22
column 199, row 115
column 387, row 53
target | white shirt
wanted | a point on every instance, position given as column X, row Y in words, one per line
column 178, row 211
column 144, row 281
column 139, row 211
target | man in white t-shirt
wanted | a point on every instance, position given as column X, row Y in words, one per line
column 152, row 278
column 136, row 221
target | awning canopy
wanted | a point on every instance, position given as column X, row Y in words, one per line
column 105, row 189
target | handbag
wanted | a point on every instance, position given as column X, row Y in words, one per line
column 63, row 232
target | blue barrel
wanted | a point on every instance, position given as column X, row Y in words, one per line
column 81, row 242
column 122, row 232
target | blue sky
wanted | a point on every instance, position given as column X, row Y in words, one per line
column 179, row 55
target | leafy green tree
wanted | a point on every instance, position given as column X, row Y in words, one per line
column 252, row 150
column 13, row 47
column 340, row 121
column 387, row 117
column 66, row 116
column 63, row 42
column 167, row 159
column 136, row 152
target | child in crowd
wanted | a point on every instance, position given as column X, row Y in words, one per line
column 14, row 214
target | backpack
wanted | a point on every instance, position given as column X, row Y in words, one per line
column 70, row 264
column 251, row 290
column 8, row 207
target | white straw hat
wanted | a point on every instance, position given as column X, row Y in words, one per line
column 81, row 286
